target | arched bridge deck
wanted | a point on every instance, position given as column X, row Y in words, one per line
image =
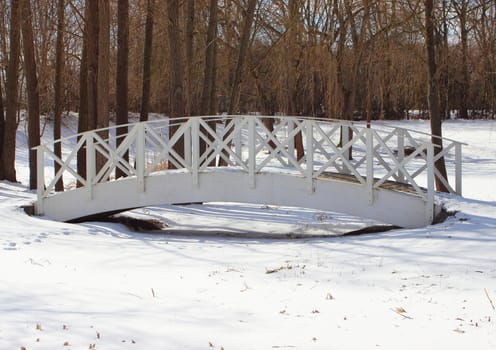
column 385, row 174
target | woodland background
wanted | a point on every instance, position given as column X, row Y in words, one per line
column 346, row 59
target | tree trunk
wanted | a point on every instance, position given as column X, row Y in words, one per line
column 210, row 62
column 103, row 75
column 2, row 126
column 293, row 19
column 433, row 92
column 9, row 140
column 191, row 107
column 175, row 72
column 122, row 74
column 147, row 61
column 207, row 106
column 242, row 54
column 59, row 87
column 32, row 90
column 92, row 29
column 83, row 107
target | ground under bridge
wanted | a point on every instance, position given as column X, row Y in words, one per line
column 384, row 173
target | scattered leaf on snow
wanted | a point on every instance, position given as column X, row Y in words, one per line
column 458, row 330
column 66, row 343
column 329, row 296
column 38, row 327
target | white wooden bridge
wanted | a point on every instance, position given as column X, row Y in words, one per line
column 385, row 174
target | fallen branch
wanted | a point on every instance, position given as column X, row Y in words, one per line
column 401, row 312
column 489, row 298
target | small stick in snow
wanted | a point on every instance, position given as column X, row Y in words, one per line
column 489, row 298
column 401, row 311
column 153, row 293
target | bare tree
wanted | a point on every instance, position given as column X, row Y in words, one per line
column 59, row 87
column 122, row 73
column 32, row 89
column 175, row 71
column 7, row 170
column 433, row 91
column 147, row 61
column 242, row 54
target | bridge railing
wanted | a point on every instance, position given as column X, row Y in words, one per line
column 252, row 144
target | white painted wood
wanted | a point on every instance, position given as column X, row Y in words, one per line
column 265, row 170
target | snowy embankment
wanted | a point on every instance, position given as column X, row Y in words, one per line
column 100, row 286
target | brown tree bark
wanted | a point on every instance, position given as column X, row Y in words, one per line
column 122, row 74
column 92, row 31
column 83, row 107
column 191, row 107
column 9, row 140
column 210, row 62
column 175, row 72
column 32, row 90
column 59, row 87
column 147, row 61
column 242, row 54
column 433, row 92
column 292, row 32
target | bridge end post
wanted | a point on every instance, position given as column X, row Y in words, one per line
column 195, row 149
column 370, row 164
column 309, row 155
column 90, row 163
column 40, row 180
column 251, row 152
column 430, row 183
column 458, row 168
column 140, row 157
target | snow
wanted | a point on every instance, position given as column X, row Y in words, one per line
column 101, row 286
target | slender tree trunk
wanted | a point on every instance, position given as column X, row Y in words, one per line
column 9, row 140
column 83, row 107
column 433, row 92
column 207, row 105
column 2, row 125
column 191, row 107
column 32, row 89
column 242, row 54
column 59, row 87
column 147, row 61
column 122, row 74
column 103, row 75
column 210, row 62
column 175, row 72
column 293, row 19
column 92, row 31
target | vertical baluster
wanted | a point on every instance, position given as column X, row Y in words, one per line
column 40, row 180
column 458, row 168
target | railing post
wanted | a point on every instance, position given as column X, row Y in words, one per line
column 251, row 151
column 458, row 168
column 238, row 145
column 140, row 157
column 187, row 144
column 309, row 154
column 345, row 138
column 430, row 183
column 370, row 164
column 40, row 179
column 401, row 153
column 195, row 149
column 90, row 163
column 291, row 145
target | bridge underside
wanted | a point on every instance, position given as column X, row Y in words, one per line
column 388, row 206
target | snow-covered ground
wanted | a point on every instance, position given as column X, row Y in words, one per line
column 101, row 286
